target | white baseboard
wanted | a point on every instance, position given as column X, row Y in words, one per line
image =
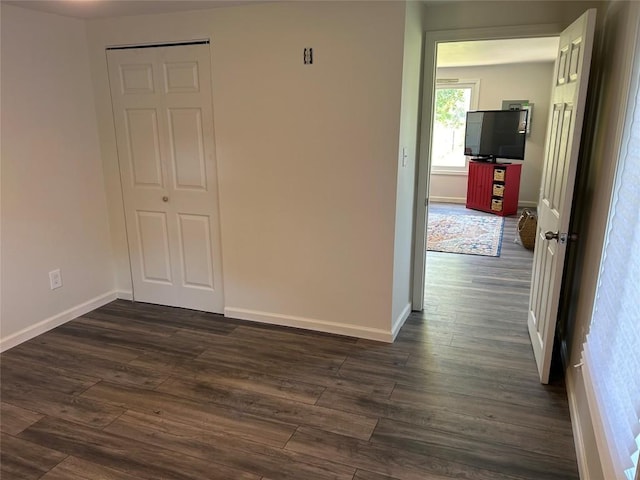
column 124, row 294
column 576, row 424
column 399, row 322
column 55, row 321
column 584, row 437
column 461, row 200
column 309, row 324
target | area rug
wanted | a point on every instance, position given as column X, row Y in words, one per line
column 467, row 234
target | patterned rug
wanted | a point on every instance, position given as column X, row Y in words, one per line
column 466, row 233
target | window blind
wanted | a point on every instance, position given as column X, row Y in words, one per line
column 611, row 353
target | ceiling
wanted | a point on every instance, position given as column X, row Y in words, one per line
column 115, row 8
column 456, row 54
column 497, row 52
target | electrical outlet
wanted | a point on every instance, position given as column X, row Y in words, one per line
column 55, row 279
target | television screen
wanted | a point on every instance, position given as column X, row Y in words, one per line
column 492, row 134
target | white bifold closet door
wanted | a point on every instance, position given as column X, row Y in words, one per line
column 163, row 117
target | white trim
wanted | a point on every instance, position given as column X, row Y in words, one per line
column 428, row 83
column 399, row 321
column 460, row 200
column 55, row 321
column 576, row 424
column 463, row 201
column 309, row 324
column 462, row 172
column 604, row 448
column 124, row 294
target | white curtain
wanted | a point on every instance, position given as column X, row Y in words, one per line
column 612, row 349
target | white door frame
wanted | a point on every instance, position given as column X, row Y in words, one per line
column 431, row 41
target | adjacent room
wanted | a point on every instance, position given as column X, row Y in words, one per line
column 476, row 248
column 213, row 258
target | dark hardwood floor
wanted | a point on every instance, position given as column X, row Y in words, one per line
column 138, row 391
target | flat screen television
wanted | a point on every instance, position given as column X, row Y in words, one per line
column 493, row 134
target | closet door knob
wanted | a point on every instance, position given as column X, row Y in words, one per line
column 165, row 199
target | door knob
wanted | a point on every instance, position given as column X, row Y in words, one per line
column 165, row 199
column 561, row 238
column 552, row 235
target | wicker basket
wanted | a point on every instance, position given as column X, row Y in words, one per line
column 498, row 174
column 527, row 226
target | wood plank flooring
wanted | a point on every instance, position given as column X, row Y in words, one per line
column 138, row 391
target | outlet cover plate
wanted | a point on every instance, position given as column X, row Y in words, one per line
column 55, row 279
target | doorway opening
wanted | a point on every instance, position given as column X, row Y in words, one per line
column 561, row 147
column 488, row 295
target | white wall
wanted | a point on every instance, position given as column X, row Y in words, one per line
column 529, row 81
column 54, row 212
column 307, row 155
column 405, row 193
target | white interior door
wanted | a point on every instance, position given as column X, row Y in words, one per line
column 163, row 118
column 568, row 100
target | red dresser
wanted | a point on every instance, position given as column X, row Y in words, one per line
column 494, row 187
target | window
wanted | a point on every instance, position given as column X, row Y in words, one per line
column 611, row 354
column 453, row 99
